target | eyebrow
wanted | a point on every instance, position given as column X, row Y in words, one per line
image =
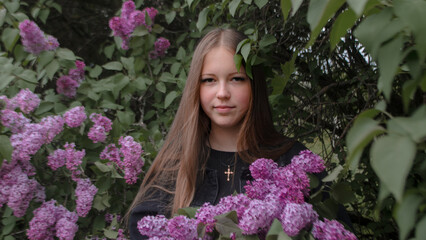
column 234, row 73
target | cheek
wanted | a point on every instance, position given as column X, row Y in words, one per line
column 244, row 98
column 204, row 97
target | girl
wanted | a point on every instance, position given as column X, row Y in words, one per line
column 222, row 125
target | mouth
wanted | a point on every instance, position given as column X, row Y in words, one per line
column 223, row 108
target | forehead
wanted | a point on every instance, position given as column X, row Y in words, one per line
column 219, row 59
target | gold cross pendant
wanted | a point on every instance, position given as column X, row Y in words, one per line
column 228, row 173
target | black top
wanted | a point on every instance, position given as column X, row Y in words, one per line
column 211, row 188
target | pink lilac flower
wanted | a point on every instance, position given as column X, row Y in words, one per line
column 161, row 45
column 129, row 19
column 66, row 227
column 113, row 154
column 67, row 86
column 26, row 100
column 34, row 40
column 263, row 168
column 182, row 228
column 308, row 162
column 73, row 157
column 132, row 160
column 121, row 235
column 50, row 220
column 153, row 226
column 292, row 180
column 257, row 217
column 295, row 217
column 85, row 193
column 102, row 125
column 52, row 126
column 260, row 188
column 75, row 116
column 331, row 230
column 57, row 159
column 13, row 120
column 28, row 142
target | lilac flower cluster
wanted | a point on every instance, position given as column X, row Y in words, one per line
column 129, row 19
column 17, row 190
column 75, row 116
column 178, row 228
column 275, row 193
column 110, row 217
column 68, row 84
column 85, row 193
column 26, row 100
column 331, row 230
column 13, row 120
column 161, row 45
column 102, row 125
column 50, row 220
column 127, row 158
column 34, row 39
column 69, row 157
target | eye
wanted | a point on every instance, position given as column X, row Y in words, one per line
column 238, row 79
column 207, row 80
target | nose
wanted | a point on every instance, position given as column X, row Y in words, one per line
column 223, row 91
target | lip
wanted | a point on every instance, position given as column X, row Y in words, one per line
column 223, row 108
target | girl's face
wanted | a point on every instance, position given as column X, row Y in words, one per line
column 225, row 93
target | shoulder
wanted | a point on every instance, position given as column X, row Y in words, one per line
column 285, row 159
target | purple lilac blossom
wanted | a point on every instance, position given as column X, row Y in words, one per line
column 153, row 226
column 57, row 159
column 67, row 86
column 258, row 216
column 132, row 160
column 77, row 73
column 34, row 40
column 263, row 168
column 331, row 230
column 66, row 227
column 182, row 228
column 161, row 45
column 85, row 193
column 102, row 125
column 75, row 116
column 28, row 142
column 73, row 157
column 113, row 154
column 295, row 217
column 13, row 120
column 121, row 235
column 308, row 162
column 129, row 19
column 26, row 100
column 52, row 126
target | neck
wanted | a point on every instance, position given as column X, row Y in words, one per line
column 224, row 139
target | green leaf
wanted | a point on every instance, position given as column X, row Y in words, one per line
column 66, row 54
column 181, row 54
column 45, row 57
column 260, row 3
column 412, row 13
column 295, row 5
column 95, row 72
column 340, row 27
column 391, row 159
column 110, row 234
column 9, row 237
column 174, row 69
column 5, row 80
column 8, row 228
column 227, row 223
column 275, row 229
column 238, row 60
column 342, row 193
column 2, row 16
column 128, row 63
column 169, row 98
column 285, row 8
column 421, row 228
column 170, row 16
column 6, row 148
column 267, row 40
column 52, row 68
column 12, row 6
column 161, row 87
column 115, row 65
column 360, row 134
column 414, row 126
column 126, row 117
column 334, row 174
column 44, row 14
column 109, row 50
column 233, row 5
column 102, row 167
column 29, row 76
column 405, row 214
column 189, row 2
column 319, row 13
column 357, row 6
column 245, row 50
column 9, row 37
column 202, row 19
column 389, row 57
column 188, row 212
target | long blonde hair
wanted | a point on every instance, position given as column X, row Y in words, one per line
column 176, row 167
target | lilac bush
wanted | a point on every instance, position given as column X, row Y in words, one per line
column 34, row 39
column 275, row 193
column 68, row 84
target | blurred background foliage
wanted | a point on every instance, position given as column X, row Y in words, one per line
column 346, row 78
